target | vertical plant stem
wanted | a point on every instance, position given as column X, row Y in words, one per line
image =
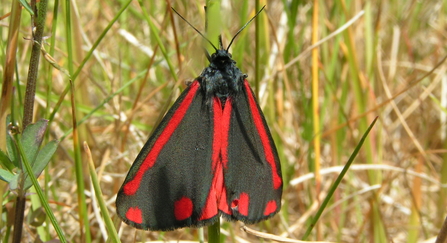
column 315, row 104
column 82, row 210
column 69, row 39
column 174, row 31
column 83, row 217
column 415, row 226
column 257, row 50
column 214, row 232
column 19, row 215
column 34, row 63
column 49, row 85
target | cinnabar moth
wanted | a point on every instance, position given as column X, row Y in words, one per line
column 212, row 154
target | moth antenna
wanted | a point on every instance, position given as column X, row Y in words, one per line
column 243, row 27
column 207, row 54
column 194, row 29
column 220, row 42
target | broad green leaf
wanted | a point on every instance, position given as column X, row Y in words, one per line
column 42, row 160
column 44, row 157
column 32, row 138
column 6, row 175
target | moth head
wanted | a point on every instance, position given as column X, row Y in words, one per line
column 221, row 58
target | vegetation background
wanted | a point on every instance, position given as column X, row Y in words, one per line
column 129, row 60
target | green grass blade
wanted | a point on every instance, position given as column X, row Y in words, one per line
column 338, row 180
column 113, row 235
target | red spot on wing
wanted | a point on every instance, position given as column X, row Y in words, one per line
column 277, row 181
column 270, row 208
column 241, row 204
column 183, row 208
column 132, row 186
column 135, row 215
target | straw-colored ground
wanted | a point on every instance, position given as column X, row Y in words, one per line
column 318, row 106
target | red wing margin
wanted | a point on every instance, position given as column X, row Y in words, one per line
column 251, row 153
column 168, row 185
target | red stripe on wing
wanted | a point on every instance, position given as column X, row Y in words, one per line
column 268, row 151
column 214, row 194
column 225, row 126
column 132, row 186
column 218, row 193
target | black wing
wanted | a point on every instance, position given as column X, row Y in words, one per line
column 169, row 184
column 252, row 171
